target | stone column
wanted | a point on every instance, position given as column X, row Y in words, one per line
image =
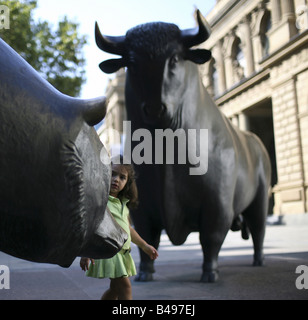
column 291, row 184
column 276, row 11
column 220, row 66
column 243, row 122
column 287, row 9
column 227, row 50
column 248, row 51
column 285, row 29
column 234, row 120
column 288, row 15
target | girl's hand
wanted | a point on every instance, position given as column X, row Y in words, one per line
column 143, row 245
column 150, row 251
column 84, row 263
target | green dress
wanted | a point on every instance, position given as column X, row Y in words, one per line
column 122, row 264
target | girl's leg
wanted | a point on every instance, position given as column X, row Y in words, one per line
column 123, row 287
column 109, row 295
column 120, row 288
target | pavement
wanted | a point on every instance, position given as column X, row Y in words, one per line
column 178, row 271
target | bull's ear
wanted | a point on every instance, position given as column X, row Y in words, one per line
column 112, row 65
column 198, row 56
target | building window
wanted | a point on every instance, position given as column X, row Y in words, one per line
column 241, row 59
column 214, row 79
column 239, row 62
column 266, row 25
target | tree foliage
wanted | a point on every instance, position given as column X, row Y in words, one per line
column 56, row 54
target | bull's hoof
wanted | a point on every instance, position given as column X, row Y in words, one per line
column 209, row 276
column 257, row 262
column 144, row 277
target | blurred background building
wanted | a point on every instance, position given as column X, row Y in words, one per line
column 258, row 77
column 111, row 131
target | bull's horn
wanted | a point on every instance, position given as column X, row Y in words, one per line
column 194, row 36
column 94, row 110
column 114, row 45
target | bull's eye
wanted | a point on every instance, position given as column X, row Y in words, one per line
column 173, row 61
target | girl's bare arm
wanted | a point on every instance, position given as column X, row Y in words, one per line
column 143, row 245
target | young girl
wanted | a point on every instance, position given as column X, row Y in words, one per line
column 122, row 197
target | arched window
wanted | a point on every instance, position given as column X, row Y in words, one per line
column 214, row 79
column 239, row 62
column 266, row 25
column 241, row 59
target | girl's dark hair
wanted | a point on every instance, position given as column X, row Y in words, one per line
column 130, row 190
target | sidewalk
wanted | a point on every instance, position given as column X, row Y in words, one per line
column 178, row 270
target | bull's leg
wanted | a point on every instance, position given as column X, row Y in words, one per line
column 146, row 266
column 211, row 242
column 255, row 216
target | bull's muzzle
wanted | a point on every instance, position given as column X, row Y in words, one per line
column 153, row 112
column 107, row 241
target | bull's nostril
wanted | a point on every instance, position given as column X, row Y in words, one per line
column 153, row 110
column 162, row 110
column 144, row 109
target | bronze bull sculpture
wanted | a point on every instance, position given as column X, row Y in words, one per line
column 54, row 171
column 231, row 180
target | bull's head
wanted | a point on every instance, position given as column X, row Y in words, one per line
column 54, row 171
column 154, row 54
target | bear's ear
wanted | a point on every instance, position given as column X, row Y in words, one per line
column 112, row 65
column 198, row 56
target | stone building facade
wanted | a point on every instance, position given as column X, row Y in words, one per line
column 258, row 77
